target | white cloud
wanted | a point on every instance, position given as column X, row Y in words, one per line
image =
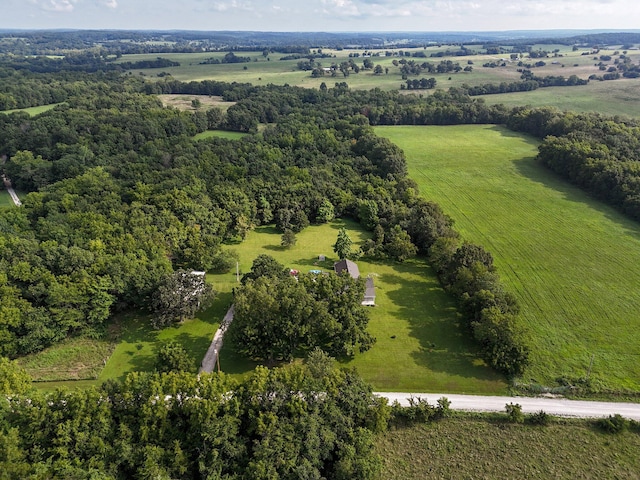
column 232, row 5
column 110, row 3
column 62, row 6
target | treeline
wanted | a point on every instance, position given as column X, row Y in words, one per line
column 530, row 82
column 155, row 63
column 599, row 154
column 230, row 57
column 302, row 421
column 422, row 84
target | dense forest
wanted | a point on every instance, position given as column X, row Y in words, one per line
column 306, row 421
column 120, row 196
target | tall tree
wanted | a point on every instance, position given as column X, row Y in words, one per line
column 342, row 247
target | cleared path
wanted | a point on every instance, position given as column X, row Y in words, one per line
column 211, row 357
column 554, row 406
column 12, row 192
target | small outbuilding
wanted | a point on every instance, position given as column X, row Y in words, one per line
column 347, row 265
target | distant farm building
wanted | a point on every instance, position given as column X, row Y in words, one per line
column 352, row 269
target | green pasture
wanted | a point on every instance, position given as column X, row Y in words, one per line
column 220, row 134
column 486, row 447
column 617, row 97
column 419, row 345
column 569, row 259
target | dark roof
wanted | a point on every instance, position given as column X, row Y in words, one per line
column 347, row 265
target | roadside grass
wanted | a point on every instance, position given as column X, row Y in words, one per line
column 419, row 344
column 221, row 134
column 568, row 258
column 484, row 446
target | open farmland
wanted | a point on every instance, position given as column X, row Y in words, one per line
column 611, row 97
column 568, row 258
column 619, row 97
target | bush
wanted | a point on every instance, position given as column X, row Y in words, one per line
column 514, row 412
column 419, row 411
column 613, row 423
column 539, row 418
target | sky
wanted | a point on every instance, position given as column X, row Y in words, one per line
column 321, row 15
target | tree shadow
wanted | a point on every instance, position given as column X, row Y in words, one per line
column 326, row 265
column 275, row 248
column 433, row 319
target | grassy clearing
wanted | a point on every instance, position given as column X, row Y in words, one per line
column 5, row 199
column 184, row 102
column 221, row 134
column 33, row 110
column 73, row 359
column 419, row 346
column 481, row 447
column 568, row 258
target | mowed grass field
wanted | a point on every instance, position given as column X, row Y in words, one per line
column 570, row 260
column 5, row 199
column 485, row 447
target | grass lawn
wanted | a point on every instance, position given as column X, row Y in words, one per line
column 568, row 258
column 419, row 346
column 5, row 199
column 483, row 447
column 220, row 133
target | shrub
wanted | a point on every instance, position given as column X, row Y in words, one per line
column 539, row 418
column 613, row 423
column 514, row 412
